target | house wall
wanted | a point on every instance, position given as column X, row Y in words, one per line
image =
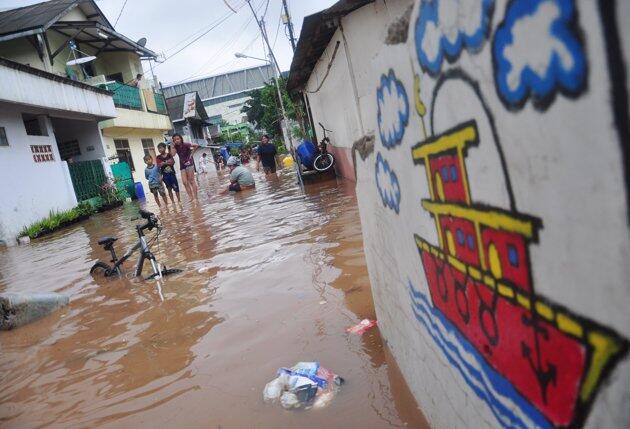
column 29, row 190
column 21, row 51
column 523, row 102
column 86, row 133
column 26, row 88
column 135, row 144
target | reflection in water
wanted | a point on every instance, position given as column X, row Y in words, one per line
column 271, row 277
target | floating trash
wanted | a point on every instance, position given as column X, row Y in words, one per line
column 361, row 327
column 306, row 384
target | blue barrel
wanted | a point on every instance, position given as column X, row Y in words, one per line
column 306, row 152
column 139, row 191
column 225, row 154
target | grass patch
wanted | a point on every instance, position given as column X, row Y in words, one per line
column 57, row 220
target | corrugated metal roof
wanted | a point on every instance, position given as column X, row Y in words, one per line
column 317, row 31
column 223, row 84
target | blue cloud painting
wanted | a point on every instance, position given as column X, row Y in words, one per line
column 393, row 110
column 446, row 27
column 387, row 184
column 537, row 52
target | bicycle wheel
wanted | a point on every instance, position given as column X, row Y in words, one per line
column 101, row 268
column 323, row 162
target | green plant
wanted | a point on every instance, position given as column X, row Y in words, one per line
column 280, row 147
column 111, row 193
column 263, row 109
column 56, row 220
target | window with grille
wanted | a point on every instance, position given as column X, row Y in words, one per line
column 149, row 147
column 35, row 125
column 124, row 153
column 3, row 137
column 69, row 149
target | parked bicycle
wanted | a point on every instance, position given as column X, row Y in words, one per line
column 324, row 160
column 152, row 223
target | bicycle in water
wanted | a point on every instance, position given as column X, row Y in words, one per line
column 159, row 271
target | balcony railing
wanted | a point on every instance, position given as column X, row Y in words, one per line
column 124, row 95
column 160, row 103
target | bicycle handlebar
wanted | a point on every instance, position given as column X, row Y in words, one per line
column 151, row 219
column 145, row 214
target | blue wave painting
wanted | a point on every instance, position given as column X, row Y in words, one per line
column 507, row 405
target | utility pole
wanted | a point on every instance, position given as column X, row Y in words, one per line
column 272, row 59
column 288, row 23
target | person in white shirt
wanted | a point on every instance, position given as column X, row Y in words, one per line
column 203, row 163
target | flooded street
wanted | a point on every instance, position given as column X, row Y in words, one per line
column 271, row 277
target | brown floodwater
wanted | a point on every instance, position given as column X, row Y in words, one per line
column 271, row 277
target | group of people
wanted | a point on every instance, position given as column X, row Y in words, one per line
column 160, row 173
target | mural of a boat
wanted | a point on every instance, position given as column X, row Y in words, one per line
column 480, row 278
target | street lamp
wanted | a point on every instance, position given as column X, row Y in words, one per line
column 241, row 55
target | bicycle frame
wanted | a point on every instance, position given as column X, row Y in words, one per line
column 144, row 255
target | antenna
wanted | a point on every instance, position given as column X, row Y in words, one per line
column 142, row 42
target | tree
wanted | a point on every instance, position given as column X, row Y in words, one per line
column 263, row 108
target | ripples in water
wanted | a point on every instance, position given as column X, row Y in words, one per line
column 272, row 276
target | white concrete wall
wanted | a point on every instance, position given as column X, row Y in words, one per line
column 29, row 190
column 25, row 88
column 86, row 133
column 551, row 153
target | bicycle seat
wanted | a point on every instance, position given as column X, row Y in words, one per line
column 106, row 241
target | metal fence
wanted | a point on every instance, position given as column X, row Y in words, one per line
column 160, row 103
column 87, row 178
column 125, row 96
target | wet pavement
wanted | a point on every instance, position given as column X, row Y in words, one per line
column 271, row 277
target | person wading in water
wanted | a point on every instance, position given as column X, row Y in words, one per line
column 266, row 155
column 186, row 163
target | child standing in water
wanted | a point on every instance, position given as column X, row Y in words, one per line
column 186, row 163
column 166, row 162
column 152, row 174
column 203, row 163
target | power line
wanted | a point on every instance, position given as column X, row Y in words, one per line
column 241, row 31
column 176, row 45
column 275, row 39
column 120, row 13
column 221, row 21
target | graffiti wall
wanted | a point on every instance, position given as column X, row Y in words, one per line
column 493, row 201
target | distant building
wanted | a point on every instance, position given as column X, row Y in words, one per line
column 189, row 120
column 224, row 95
column 43, row 36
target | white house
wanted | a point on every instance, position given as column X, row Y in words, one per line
column 490, row 144
column 41, row 116
column 42, row 36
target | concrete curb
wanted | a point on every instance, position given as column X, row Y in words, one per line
column 20, row 309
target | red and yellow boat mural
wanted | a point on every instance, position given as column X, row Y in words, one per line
column 480, row 278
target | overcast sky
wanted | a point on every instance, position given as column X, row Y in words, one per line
column 169, row 24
